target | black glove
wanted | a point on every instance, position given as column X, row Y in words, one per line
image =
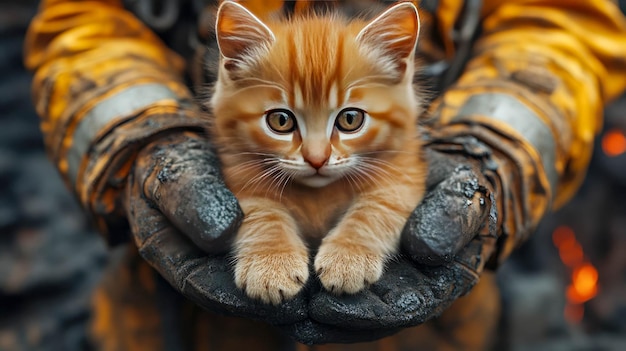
column 460, row 202
column 179, row 207
column 179, row 210
column 406, row 295
column 448, row 239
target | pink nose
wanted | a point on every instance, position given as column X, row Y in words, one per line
column 316, row 162
column 316, row 153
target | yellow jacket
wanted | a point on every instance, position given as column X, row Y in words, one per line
column 105, row 84
column 562, row 60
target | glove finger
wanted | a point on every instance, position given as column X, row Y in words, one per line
column 206, row 280
column 440, row 164
column 444, row 157
column 184, row 182
column 448, row 218
column 440, row 287
column 405, row 296
column 310, row 332
column 371, row 309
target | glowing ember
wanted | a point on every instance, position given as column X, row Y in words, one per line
column 584, row 280
column 584, row 284
column 614, row 143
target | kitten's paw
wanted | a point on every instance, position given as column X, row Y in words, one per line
column 347, row 268
column 272, row 277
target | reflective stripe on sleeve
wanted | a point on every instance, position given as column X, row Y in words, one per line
column 509, row 110
column 117, row 107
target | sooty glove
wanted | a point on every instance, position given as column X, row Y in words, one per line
column 446, row 243
column 183, row 219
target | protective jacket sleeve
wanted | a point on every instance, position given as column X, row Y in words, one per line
column 534, row 89
column 104, row 85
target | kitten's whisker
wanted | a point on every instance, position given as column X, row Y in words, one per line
column 242, row 170
column 348, row 178
column 259, row 161
column 256, row 153
column 287, row 178
column 276, row 179
column 354, row 176
column 278, row 70
column 397, row 172
column 270, row 173
column 256, row 79
column 376, row 162
column 263, row 162
column 386, row 152
column 258, row 179
column 251, row 164
column 369, row 81
column 373, row 160
column 386, row 175
column 379, row 172
column 246, row 165
column 368, row 178
column 351, row 181
column 347, row 74
column 262, row 83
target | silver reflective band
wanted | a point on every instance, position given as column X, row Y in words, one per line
column 116, row 107
column 507, row 109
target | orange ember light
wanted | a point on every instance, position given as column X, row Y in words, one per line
column 570, row 251
column 584, row 284
column 562, row 236
column 584, row 279
column 572, row 255
column 614, row 143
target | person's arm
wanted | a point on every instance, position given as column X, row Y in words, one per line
column 509, row 140
column 104, row 85
column 534, row 92
column 123, row 130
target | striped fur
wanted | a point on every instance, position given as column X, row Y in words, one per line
column 346, row 192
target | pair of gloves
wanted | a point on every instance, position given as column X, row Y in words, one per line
column 183, row 220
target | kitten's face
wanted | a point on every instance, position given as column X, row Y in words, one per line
column 315, row 99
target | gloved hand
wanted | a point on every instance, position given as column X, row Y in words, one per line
column 180, row 210
column 182, row 216
column 447, row 241
column 406, row 295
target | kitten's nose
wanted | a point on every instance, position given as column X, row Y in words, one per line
column 316, row 156
column 316, row 162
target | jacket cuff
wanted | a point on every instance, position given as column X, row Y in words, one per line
column 523, row 156
column 104, row 144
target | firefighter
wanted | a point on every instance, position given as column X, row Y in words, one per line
column 522, row 87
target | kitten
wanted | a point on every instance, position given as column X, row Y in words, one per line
column 315, row 118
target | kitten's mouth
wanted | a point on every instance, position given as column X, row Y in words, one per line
column 316, row 180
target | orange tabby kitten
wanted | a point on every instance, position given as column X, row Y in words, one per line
column 315, row 121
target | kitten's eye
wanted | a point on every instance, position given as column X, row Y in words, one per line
column 350, row 120
column 281, row 121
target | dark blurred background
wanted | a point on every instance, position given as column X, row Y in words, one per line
column 563, row 290
column 49, row 257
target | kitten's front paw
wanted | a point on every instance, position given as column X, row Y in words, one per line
column 272, row 277
column 346, row 268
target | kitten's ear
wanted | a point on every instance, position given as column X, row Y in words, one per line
column 394, row 32
column 240, row 34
